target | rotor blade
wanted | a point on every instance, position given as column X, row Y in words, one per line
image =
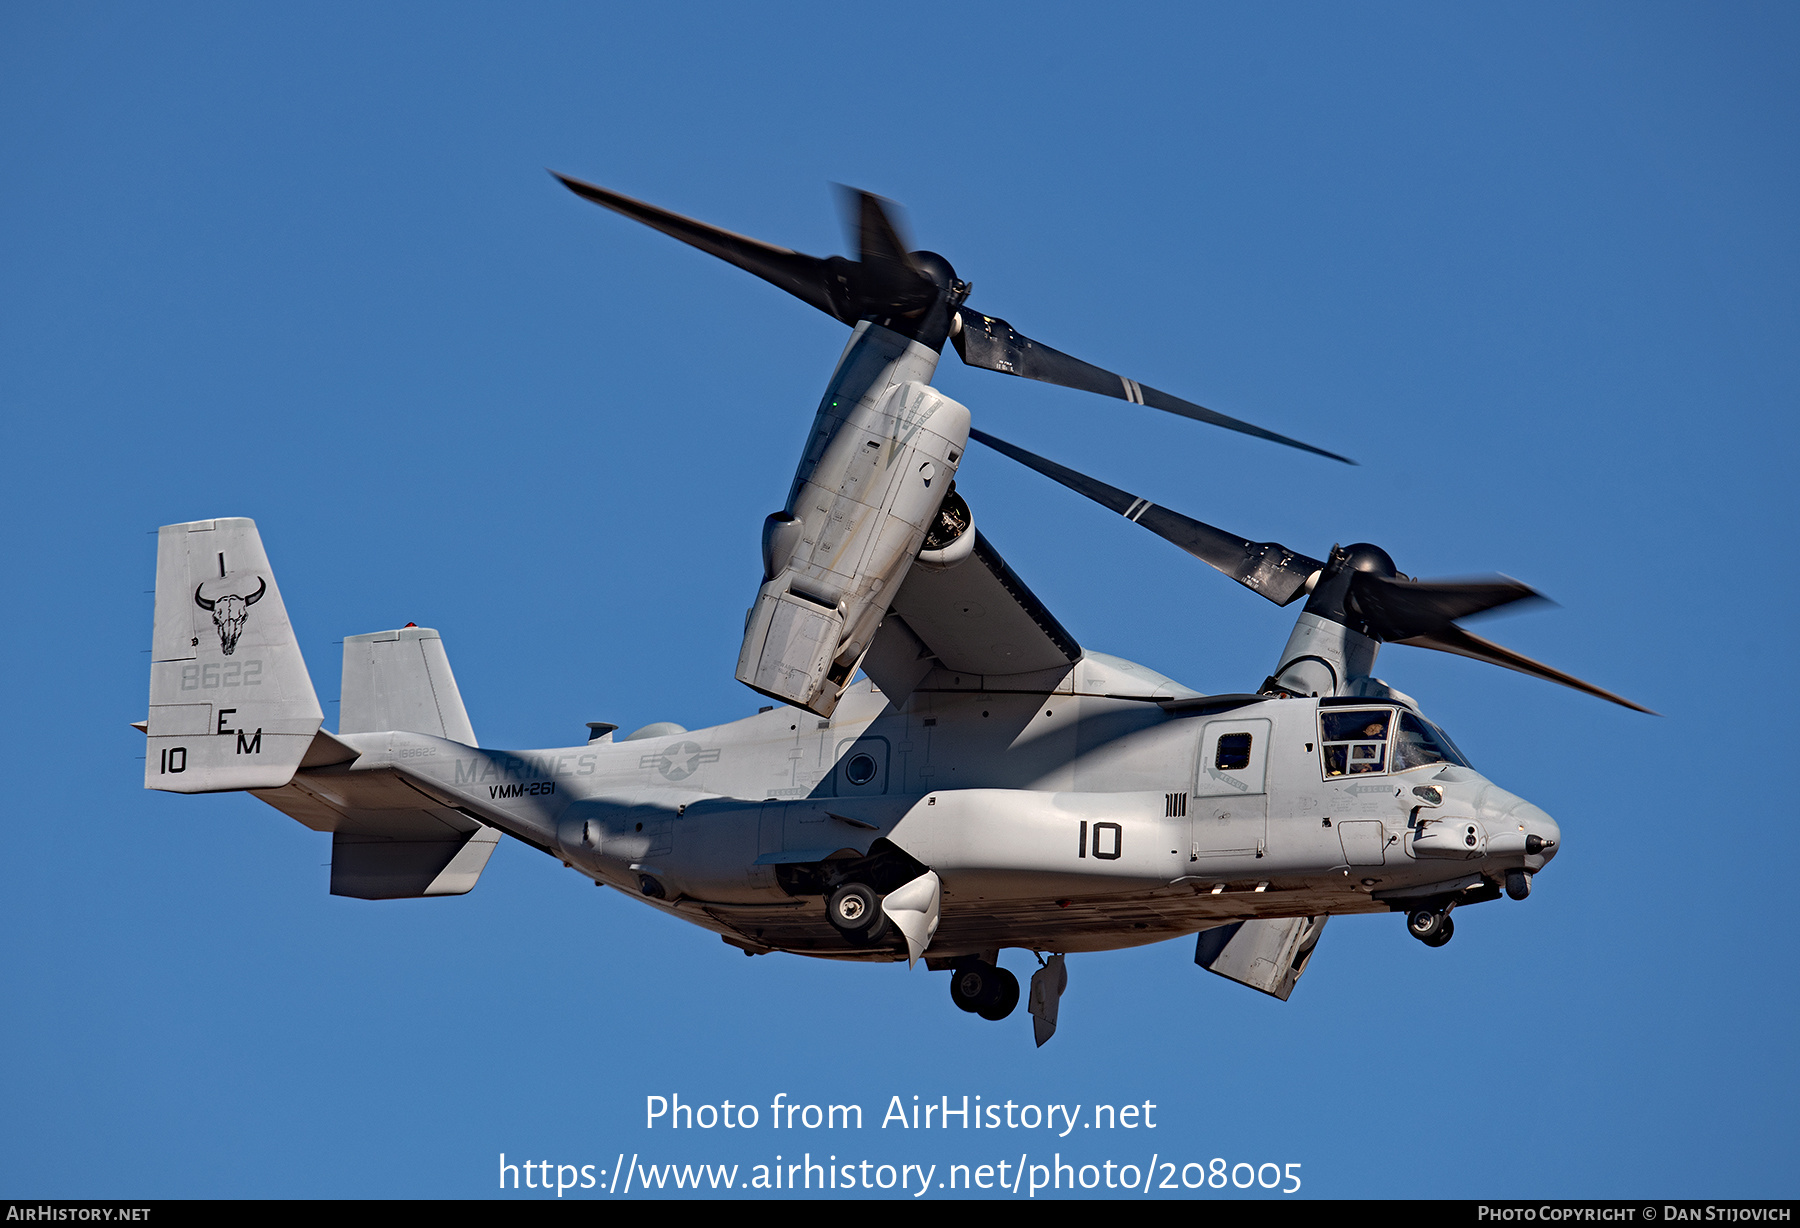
column 1267, row 568
column 891, row 279
column 1454, row 639
column 984, row 341
column 1396, row 607
column 824, row 284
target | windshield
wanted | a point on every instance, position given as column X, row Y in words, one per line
column 1456, row 755
column 1419, row 743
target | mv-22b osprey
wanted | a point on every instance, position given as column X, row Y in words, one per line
column 984, row 783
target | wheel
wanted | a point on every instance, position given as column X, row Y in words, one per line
column 1005, row 1000
column 976, row 986
column 1424, row 923
column 855, row 910
column 1443, row 935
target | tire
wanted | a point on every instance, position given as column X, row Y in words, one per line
column 855, row 910
column 975, row 986
column 1005, row 1000
column 1425, row 923
column 1444, row 934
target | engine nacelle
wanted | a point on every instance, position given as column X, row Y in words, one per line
column 952, row 535
column 867, row 491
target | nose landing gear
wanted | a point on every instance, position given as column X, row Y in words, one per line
column 982, row 989
column 1431, row 926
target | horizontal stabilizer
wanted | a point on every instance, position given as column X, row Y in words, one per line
column 369, row 868
column 389, row 840
column 231, row 705
column 401, row 680
column 1265, row 955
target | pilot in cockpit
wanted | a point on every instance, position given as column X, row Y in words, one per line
column 1355, row 742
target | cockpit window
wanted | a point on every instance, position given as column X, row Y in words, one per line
column 1456, row 755
column 1419, row 743
column 1355, row 743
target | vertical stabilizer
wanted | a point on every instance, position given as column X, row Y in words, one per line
column 401, row 680
column 231, row 705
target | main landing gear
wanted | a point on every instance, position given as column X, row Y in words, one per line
column 982, row 989
column 855, row 910
column 1431, row 926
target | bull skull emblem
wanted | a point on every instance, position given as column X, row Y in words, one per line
column 230, row 611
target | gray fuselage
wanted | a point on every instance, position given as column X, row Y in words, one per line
column 1085, row 816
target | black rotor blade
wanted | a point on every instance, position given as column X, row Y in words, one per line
column 891, row 280
column 1267, row 568
column 1454, row 639
column 825, row 284
column 984, row 341
column 1395, row 607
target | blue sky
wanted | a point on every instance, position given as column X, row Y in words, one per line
column 1533, row 265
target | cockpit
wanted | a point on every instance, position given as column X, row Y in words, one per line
column 1376, row 741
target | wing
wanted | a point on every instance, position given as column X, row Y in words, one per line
column 974, row 618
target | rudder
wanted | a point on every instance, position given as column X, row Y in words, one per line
column 401, row 680
column 231, row 704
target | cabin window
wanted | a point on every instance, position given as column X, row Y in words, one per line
column 1355, row 743
column 1419, row 743
column 1234, row 752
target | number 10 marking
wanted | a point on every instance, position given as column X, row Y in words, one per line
column 1109, row 840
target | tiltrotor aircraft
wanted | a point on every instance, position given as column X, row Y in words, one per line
column 985, row 782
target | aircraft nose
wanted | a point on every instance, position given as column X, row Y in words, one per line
column 1542, row 836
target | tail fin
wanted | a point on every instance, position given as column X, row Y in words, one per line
column 231, row 705
column 401, row 680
